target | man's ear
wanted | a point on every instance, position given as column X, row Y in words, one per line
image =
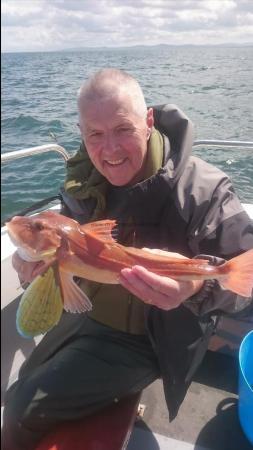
column 81, row 128
column 150, row 118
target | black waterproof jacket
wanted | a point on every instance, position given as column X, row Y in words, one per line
column 189, row 207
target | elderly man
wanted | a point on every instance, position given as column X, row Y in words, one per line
column 134, row 165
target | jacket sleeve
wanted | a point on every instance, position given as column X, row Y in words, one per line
column 212, row 298
column 76, row 209
column 219, row 227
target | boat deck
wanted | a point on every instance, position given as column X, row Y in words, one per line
column 207, row 419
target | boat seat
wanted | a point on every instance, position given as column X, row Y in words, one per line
column 110, row 429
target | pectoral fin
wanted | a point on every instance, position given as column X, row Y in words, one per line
column 74, row 299
column 40, row 307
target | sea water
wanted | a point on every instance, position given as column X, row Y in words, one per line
column 212, row 85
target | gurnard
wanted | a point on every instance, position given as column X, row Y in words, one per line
column 89, row 251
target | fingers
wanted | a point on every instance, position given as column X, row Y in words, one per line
column 27, row 271
column 150, row 288
column 40, row 267
column 163, row 292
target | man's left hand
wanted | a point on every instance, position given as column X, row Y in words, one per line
column 163, row 292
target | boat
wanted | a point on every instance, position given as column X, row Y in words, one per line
column 208, row 416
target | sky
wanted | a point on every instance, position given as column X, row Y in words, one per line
column 45, row 25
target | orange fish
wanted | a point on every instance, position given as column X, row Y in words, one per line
column 89, row 251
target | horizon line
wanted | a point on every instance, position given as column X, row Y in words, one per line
column 224, row 44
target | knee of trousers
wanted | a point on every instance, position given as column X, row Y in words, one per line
column 19, row 409
column 19, row 431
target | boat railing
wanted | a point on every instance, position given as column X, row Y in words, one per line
column 30, row 151
column 220, row 143
column 38, row 150
column 10, row 156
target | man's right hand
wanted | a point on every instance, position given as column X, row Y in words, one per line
column 27, row 271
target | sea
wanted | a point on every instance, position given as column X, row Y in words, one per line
column 212, row 85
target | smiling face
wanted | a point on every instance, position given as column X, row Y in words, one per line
column 116, row 138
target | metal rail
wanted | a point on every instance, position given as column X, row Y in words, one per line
column 9, row 156
column 5, row 157
column 217, row 143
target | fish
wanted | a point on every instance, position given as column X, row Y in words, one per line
column 90, row 251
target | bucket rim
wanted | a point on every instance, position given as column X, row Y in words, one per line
column 248, row 336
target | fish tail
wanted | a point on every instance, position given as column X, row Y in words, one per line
column 239, row 274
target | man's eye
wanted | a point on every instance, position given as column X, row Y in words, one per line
column 96, row 134
column 124, row 130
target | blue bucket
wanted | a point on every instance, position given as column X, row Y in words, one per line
column 246, row 385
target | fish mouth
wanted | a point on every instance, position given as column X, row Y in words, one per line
column 29, row 255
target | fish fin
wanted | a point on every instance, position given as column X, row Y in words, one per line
column 239, row 274
column 92, row 237
column 94, row 244
column 98, row 235
column 102, row 229
column 74, row 299
column 40, row 307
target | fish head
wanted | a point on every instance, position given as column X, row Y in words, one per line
column 35, row 237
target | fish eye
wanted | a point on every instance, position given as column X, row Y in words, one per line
column 37, row 226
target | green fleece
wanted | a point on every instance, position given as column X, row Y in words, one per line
column 83, row 180
column 113, row 305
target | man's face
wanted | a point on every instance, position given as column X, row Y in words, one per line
column 116, row 138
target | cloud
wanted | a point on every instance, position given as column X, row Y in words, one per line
column 31, row 25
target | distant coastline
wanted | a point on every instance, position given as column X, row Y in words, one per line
column 139, row 47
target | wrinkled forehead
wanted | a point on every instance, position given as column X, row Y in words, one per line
column 115, row 110
column 117, row 96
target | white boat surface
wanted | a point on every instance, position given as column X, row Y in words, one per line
column 208, row 416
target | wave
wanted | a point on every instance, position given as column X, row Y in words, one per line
column 208, row 84
column 21, row 122
column 29, row 123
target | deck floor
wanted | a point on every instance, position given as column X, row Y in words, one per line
column 207, row 419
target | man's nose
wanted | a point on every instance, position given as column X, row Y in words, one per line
column 111, row 144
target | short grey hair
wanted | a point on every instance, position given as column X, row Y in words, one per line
column 107, row 83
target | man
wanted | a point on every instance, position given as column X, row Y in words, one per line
column 135, row 166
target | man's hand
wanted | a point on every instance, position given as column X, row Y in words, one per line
column 27, row 271
column 163, row 292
